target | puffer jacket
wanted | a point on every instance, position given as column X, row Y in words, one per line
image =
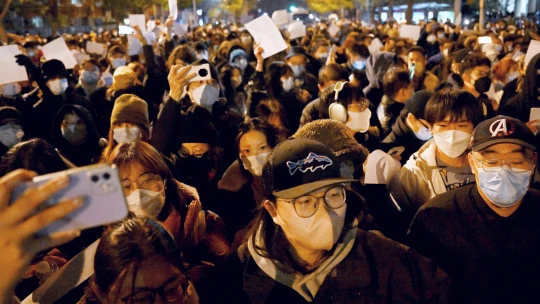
column 419, row 179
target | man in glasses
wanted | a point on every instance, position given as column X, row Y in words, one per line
column 306, row 245
column 487, row 234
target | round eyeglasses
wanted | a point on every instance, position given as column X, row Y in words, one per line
column 148, row 181
column 517, row 165
column 306, row 205
column 170, row 292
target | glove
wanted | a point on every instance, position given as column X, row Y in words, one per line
column 26, row 62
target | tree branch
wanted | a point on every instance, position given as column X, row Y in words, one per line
column 5, row 10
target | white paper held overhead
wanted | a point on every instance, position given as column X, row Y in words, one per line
column 57, row 49
column 139, row 20
column 266, row 33
column 173, row 9
column 280, row 17
column 534, row 48
column 12, row 71
column 410, row 31
column 95, row 48
column 296, row 30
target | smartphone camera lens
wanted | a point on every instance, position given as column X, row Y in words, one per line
column 203, row 72
column 106, row 176
column 95, row 178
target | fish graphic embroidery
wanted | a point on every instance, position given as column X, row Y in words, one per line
column 312, row 163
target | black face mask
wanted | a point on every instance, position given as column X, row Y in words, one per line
column 194, row 169
column 482, row 85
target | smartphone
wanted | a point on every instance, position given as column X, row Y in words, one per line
column 484, row 40
column 396, row 151
column 411, row 71
column 202, row 71
column 100, row 185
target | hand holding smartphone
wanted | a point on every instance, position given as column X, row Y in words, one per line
column 99, row 185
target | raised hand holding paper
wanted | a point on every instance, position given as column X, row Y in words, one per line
column 57, row 49
column 266, row 33
column 12, row 71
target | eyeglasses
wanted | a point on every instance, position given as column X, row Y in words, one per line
column 147, row 181
column 306, row 206
column 170, row 292
column 197, row 152
column 517, row 165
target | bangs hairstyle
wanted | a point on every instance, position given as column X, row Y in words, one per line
column 455, row 103
column 142, row 153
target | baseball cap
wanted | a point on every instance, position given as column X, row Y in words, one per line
column 299, row 166
column 461, row 54
column 502, row 129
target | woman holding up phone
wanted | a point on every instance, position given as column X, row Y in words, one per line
column 151, row 191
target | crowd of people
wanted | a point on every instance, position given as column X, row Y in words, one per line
column 356, row 166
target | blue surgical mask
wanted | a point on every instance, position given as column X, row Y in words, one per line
column 118, row 62
column 359, row 64
column 504, row 188
column 90, row 77
column 423, row 134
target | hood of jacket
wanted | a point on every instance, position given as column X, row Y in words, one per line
column 377, row 65
column 92, row 140
column 424, row 162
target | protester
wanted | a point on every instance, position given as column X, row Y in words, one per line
column 440, row 164
column 385, row 99
column 151, row 191
column 301, row 250
column 484, row 234
column 138, row 261
column 411, row 130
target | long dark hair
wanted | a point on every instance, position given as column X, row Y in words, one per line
column 127, row 245
column 257, row 124
column 36, row 155
column 272, row 78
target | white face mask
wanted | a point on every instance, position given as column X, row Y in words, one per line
column 126, row 135
column 118, row 62
column 511, row 77
column 11, row 134
column 254, row 163
column 297, row 69
column 58, row 86
column 445, row 52
column 288, row 84
column 241, row 63
column 453, row 143
column 432, row 39
column 318, row 232
column 202, row 55
column 359, row 121
column 10, row 90
column 146, row 202
column 205, row 96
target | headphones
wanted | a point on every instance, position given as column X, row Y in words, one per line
column 336, row 110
